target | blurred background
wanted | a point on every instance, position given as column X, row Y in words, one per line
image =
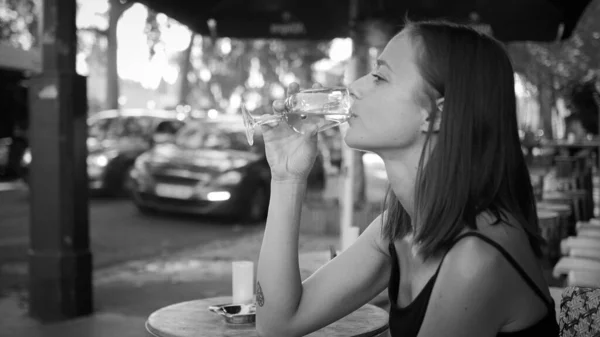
column 168, row 168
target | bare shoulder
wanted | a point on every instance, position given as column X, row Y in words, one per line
column 375, row 234
column 473, row 258
column 468, row 298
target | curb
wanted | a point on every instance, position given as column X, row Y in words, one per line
column 12, row 186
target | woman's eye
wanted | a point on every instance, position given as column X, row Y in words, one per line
column 377, row 77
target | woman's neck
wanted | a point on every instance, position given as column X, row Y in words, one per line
column 402, row 174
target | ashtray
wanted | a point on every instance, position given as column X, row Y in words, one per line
column 236, row 313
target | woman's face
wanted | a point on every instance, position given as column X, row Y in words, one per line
column 389, row 115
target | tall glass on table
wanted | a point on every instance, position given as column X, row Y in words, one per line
column 324, row 108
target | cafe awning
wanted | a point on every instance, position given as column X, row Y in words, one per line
column 507, row 20
column 286, row 19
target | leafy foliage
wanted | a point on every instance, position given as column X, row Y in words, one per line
column 563, row 62
column 20, row 23
column 273, row 59
column 230, row 68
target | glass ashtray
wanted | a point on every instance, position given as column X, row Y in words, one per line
column 236, row 313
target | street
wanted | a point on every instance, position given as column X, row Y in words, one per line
column 118, row 233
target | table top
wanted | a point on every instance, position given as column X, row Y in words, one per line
column 547, row 214
column 566, row 143
column 192, row 318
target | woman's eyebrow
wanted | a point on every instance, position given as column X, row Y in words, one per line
column 383, row 63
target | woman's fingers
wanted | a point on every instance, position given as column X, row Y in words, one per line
column 275, row 126
column 271, row 122
column 312, row 130
column 293, row 88
column 278, row 106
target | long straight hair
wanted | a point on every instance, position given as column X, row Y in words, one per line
column 476, row 164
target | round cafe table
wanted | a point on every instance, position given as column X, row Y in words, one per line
column 193, row 319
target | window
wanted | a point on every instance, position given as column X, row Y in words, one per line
column 100, row 128
column 198, row 136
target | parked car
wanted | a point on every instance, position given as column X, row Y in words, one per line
column 208, row 169
column 4, row 149
column 5, row 143
column 116, row 138
column 12, row 150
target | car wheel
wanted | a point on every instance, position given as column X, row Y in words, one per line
column 25, row 178
column 259, row 204
column 127, row 181
column 145, row 209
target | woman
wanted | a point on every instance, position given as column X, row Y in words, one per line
column 440, row 110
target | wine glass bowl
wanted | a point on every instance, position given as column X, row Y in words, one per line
column 253, row 119
column 324, row 108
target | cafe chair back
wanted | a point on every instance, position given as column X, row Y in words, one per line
column 579, row 312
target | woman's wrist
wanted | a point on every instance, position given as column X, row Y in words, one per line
column 289, row 180
column 288, row 188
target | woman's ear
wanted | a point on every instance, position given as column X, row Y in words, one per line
column 439, row 106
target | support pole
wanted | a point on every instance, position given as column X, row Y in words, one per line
column 60, row 261
column 357, row 68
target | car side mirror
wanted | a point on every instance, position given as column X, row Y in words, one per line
column 162, row 138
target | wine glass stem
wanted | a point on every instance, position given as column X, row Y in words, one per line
column 268, row 119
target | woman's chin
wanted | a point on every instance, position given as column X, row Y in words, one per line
column 354, row 141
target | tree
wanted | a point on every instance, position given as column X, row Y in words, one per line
column 117, row 8
column 228, row 68
column 115, row 11
column 185, row 66
column 90, row 39
column 20, row 23
column 231, row 61
column 554, row 67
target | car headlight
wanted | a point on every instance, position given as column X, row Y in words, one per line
column 26, row 160
column 98, row 160
column 141, row 161
column 229, row 178
column 101, row 160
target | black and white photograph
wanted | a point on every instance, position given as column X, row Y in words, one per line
column 288, row 168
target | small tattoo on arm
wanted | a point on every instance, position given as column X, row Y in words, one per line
column 260, row 298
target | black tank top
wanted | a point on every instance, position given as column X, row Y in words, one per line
column 407, row 321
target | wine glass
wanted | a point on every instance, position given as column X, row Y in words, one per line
column 324, row 108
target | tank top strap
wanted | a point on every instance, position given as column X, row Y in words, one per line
column 391, row 248
column 394, row 282
column 510, row 260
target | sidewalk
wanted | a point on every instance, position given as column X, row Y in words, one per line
column 126, row 294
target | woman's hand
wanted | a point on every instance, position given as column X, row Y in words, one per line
column 290, row 154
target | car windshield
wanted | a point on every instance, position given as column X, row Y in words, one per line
column 125, row 127
column 217, row 137
column 100, row 128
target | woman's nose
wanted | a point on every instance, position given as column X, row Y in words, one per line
column 353, row 91
column 359, row 87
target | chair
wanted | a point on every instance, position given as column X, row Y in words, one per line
column 587, row 224
column 565, row 213
column 537, row 183
column 579, row 312
column 589, row 232
column 580, row 271
column 578, row 242
column 574, row 198
column 549, row 222
column 586, row 253
column 583, row 279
